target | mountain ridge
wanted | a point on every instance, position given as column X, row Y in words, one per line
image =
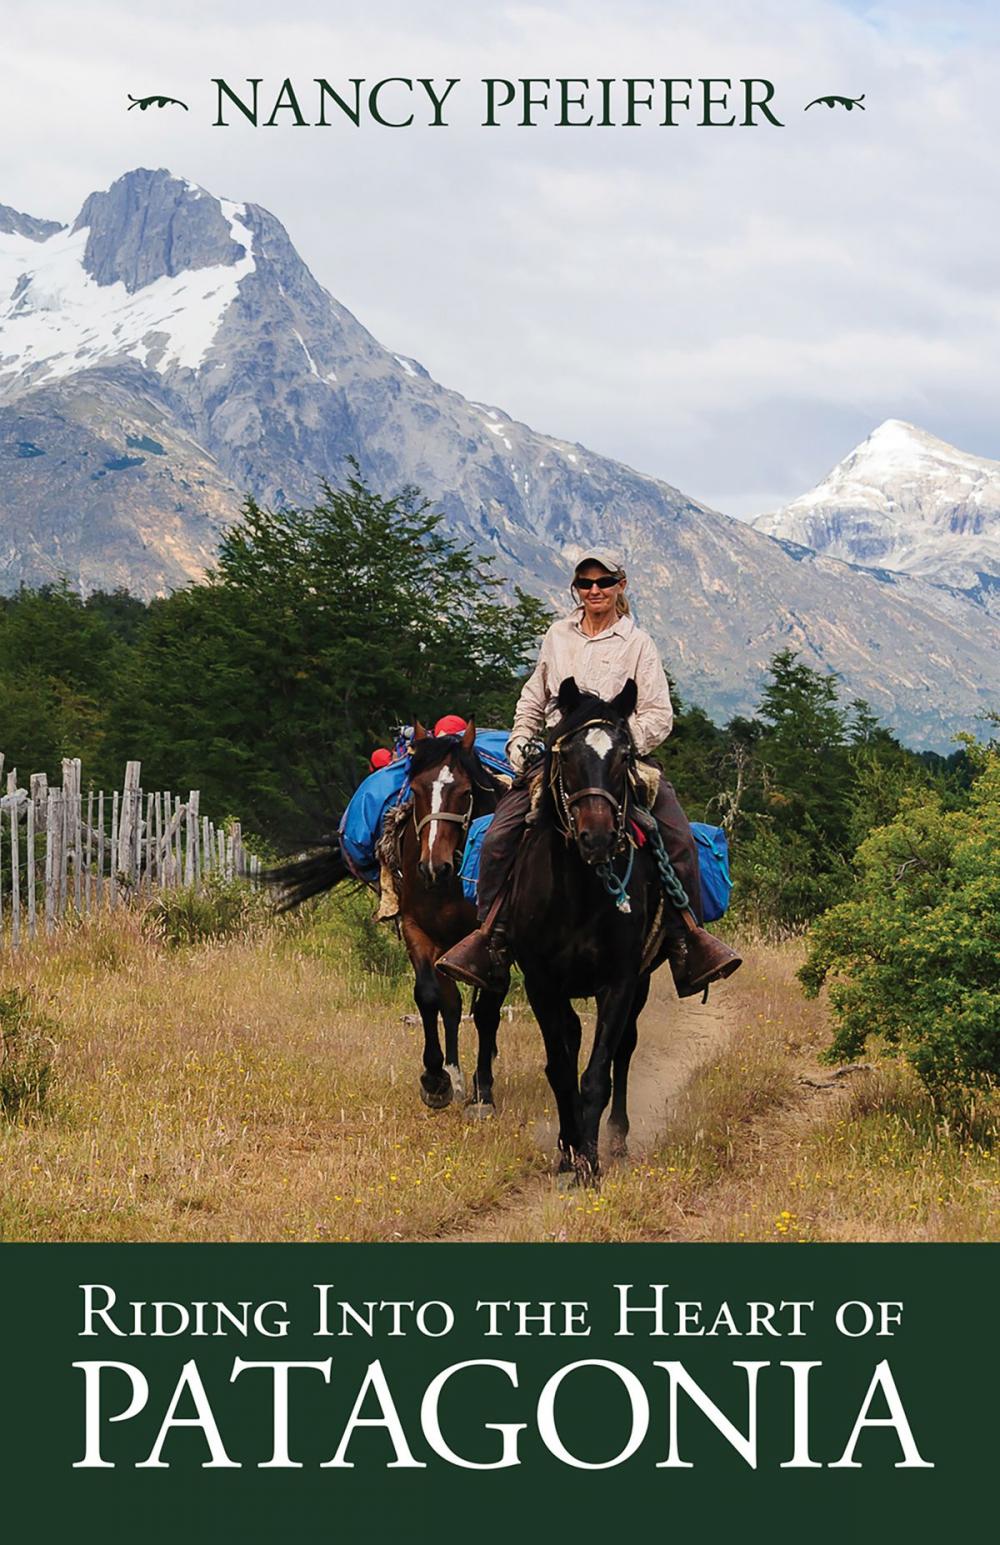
column 189, row 323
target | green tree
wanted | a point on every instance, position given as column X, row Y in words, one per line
column 59, row 660
column 318, row 631
column 691, row 756
column 803, row 752
column 913, row 958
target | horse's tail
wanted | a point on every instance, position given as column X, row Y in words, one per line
column 302, row 878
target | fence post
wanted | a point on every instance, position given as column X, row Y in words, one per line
column 191, row 856
column 88, row 883
column 99, row 897
column 114, row 849
column 129, row 822
column 54, row 890
column 30, row 866
column 40, row 799
column 15, row 862
column 148, row 843
column 178, row 856
column 158, row 838
column 71, row 808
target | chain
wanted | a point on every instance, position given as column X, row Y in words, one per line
column 675, row 892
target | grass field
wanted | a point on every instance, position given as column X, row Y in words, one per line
column 265, row 1086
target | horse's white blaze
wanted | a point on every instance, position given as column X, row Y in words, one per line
column 599, row 740
column 444, row 777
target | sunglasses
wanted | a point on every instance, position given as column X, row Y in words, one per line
column 603, row 582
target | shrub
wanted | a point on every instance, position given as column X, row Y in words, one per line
column 215, row 910
column 26, row 1052
column 779, row 886
column 374, row 947
column 914, row 956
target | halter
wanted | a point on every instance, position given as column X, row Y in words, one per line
column 463, row 819
column 564, row 802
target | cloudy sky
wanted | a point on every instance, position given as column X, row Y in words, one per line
column 730, row 309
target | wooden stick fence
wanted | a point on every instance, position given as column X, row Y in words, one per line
column 55, row 861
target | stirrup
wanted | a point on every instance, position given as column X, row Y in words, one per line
column 476, row 961
column 709, row 960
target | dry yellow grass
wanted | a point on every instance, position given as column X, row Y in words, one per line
column 266, row 1087
column 766, row 1144
column 252, row 1089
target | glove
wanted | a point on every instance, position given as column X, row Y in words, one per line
column 522, row 752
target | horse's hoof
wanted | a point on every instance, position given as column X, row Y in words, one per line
column 457, row 1081
column 438, row 1096
column 586, row 1172
column 480, row 1110
column 618, row 1148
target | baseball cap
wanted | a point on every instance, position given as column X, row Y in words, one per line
column 602, row 555
column 451, row 724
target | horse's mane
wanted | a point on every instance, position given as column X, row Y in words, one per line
column 435, row 749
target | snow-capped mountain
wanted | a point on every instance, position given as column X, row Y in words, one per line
column 906, row 501
column 170, row 352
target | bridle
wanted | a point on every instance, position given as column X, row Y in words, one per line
column 463, row 818
column 564, row 803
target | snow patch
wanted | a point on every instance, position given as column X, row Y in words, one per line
column 312, row 362
column 62, row 321
column 406, row 365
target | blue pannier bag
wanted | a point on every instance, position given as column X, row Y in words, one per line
column 468, row 871
column 713, row 864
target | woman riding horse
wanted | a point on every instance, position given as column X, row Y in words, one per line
column 600, row 647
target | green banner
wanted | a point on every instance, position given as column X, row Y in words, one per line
column 412, row 1393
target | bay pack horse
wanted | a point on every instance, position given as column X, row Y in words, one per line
column 449, row 787
column 583, row 855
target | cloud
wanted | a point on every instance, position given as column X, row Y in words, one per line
column 727, row 308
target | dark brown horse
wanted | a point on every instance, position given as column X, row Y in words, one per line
column 449, row 787
column 587, row 917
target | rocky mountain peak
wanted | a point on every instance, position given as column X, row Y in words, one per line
column 149, row 225
column 14, row 223
column 906, row 501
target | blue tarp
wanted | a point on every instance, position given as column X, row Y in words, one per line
column 361, row 823
column 713, row 864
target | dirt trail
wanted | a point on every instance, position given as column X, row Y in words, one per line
column 675, row 1038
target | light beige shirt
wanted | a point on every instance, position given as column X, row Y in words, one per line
column 600, row 664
